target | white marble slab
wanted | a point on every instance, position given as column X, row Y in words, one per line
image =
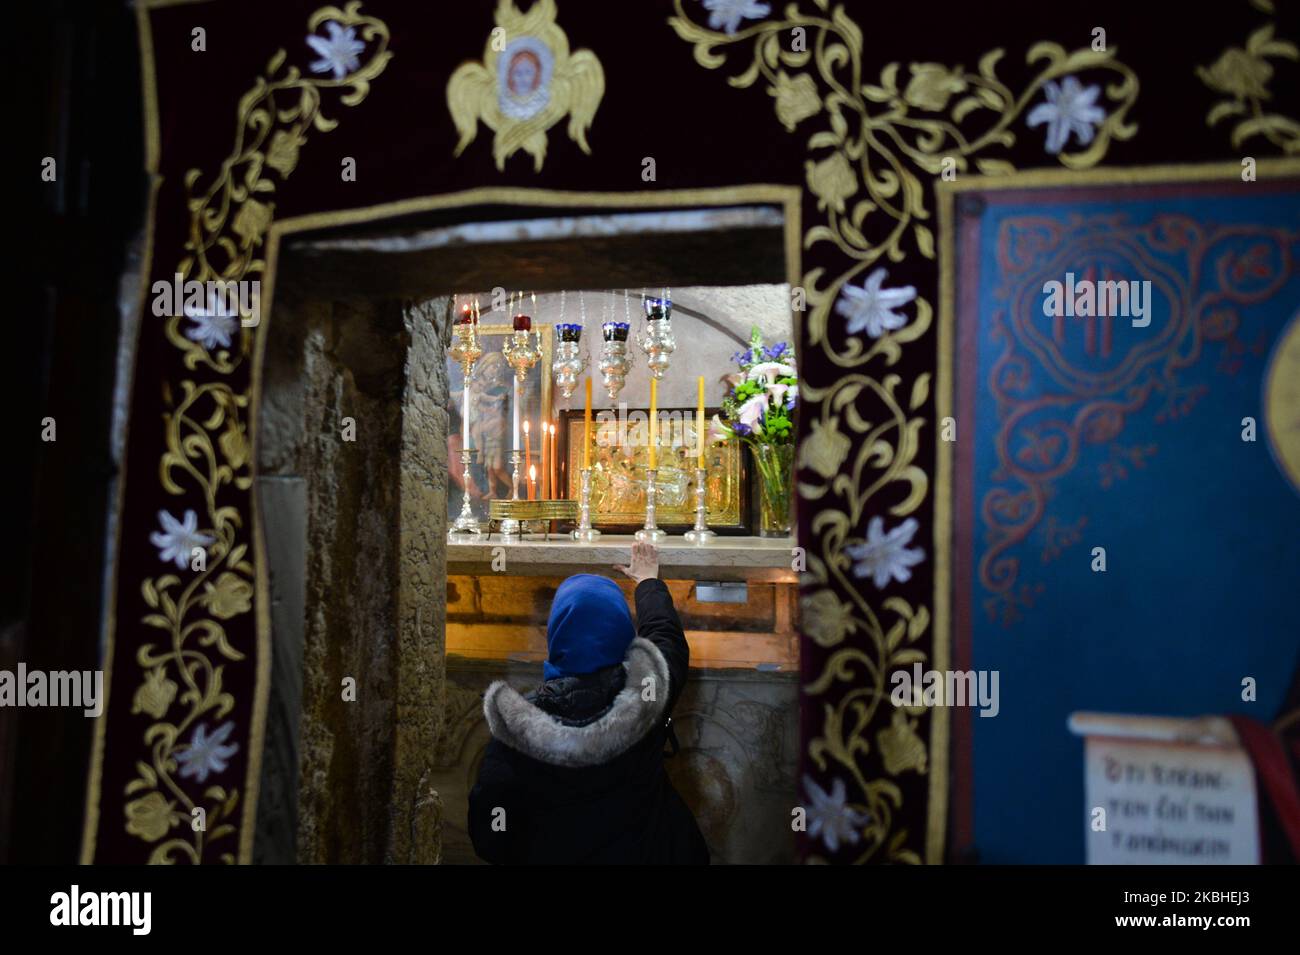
column 725, row 558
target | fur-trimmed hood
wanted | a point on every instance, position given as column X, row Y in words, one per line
column 527, row 728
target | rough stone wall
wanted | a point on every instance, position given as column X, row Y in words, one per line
column 422, row 584
column 363, row 597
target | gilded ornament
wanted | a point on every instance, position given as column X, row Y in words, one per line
column 525, row 85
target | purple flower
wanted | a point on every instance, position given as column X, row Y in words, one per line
column 741, row 429
column 775, row 352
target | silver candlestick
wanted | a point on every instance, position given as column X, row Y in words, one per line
column 467, row 523
column 510, row 527
column 585, row 532
column 700, row 533
column 651, row 531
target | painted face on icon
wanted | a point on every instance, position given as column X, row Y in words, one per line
column 525, row 73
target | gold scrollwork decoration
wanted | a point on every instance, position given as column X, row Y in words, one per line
column 528, row 81
column 882, row 134
column 207, row 448
column 875, row 145
column 1243, row 74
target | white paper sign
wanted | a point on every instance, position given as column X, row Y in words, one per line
column 1170, row 803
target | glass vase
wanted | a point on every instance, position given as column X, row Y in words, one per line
column 773, row 470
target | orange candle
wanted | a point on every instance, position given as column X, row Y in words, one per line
column 699, row 425
column 543, row 465
column 554, row 476
column 532, row 483
column 586, row 430
column 528, row 456
column 654, row 424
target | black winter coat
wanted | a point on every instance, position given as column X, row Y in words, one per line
column 575, row 771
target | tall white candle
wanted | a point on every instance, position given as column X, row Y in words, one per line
column 515, row 393
column 464, row 417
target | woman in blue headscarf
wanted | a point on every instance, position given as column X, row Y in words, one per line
column 574, row 771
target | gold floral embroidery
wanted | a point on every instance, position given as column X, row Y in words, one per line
column 932, row 85
column 155, row 694
column 867, row 165
column 832, row 180
column 796, row 99
column 1244, row 74
column 228, row 223
column 150, row 817
column 230, row 595
column 825, row 449
column 826, row 619
column 900, row 748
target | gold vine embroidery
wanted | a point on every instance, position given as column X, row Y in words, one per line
column 883, row 136
column 1244, row 74
column 207, row 447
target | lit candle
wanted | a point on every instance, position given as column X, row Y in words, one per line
column 543, row 464
column 586, row 430
column 515, row 394
column 532, row 483
column 528, row 455
column 699, row 425
column 654, row 424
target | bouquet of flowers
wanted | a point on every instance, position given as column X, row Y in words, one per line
column 759, row 406
column 758, row 410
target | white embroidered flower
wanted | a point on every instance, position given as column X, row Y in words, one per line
column 771, row 370
column 1070, row 108
column 206, row 754
column 214, row 324
column 872, row 306
column 830, row 817
column 338, row 52
column 727, row 14
column 178, row 539
column 884, row 557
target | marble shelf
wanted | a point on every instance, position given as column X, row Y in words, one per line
column 726, row 558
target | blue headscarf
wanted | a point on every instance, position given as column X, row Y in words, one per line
column 590, row 627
